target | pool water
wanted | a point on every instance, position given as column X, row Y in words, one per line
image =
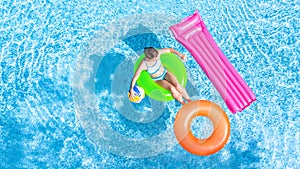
column 66, row 66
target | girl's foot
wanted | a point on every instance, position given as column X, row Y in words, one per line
column 189, row 100
column 182, row 102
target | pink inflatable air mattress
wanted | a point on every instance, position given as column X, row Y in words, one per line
column 192, row 33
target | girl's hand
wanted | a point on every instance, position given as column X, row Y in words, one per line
column 182, row 56
column 131, row 93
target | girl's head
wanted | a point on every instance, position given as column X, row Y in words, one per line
column 150, row 52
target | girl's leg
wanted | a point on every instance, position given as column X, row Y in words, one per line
column 172, row 79
column 177, row 95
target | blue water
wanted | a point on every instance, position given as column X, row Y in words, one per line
column 66, row 67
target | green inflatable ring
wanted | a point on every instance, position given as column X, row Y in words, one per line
column 174, row 65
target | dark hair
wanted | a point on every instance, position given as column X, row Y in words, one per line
column 150, row 52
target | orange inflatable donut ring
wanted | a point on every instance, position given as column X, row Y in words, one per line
column 184, row 135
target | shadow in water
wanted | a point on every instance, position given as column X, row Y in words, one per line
column 141, row 37
column 106, row 70
column 244, row 159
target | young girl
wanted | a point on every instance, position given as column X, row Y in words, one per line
column 152, row 64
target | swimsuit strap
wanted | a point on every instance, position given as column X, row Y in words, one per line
column 152, row 65
column 154, row 68
column 146, row 64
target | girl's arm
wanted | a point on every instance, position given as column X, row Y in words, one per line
column 166, row 50
column 141, row 67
